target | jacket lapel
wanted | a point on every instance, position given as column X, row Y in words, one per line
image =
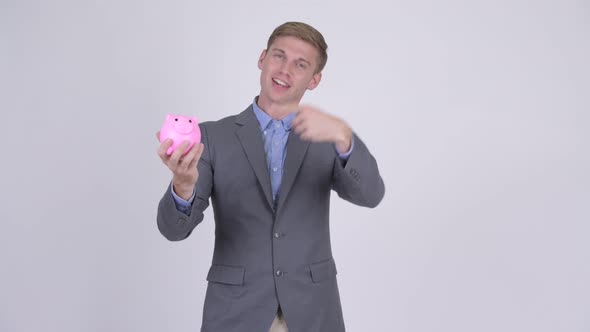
column 251, row 139
column 296, row 149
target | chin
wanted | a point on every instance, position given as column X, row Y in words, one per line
column 275, row 98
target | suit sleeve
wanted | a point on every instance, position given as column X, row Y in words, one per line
column 174, row 224
column 359, row 181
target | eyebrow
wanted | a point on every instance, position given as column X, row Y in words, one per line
column 283, row 52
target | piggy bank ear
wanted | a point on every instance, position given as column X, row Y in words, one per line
column 194, row 118
column 169, row 117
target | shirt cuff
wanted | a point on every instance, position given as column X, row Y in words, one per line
column 182, row 205
column 344, row 156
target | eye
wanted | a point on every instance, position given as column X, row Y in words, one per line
column 190, row 121
column 175, row 119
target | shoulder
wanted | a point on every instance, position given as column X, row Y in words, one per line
column 229, row 123
column 219, row 125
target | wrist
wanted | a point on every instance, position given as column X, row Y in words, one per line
column 344, row 140
column 183, row 190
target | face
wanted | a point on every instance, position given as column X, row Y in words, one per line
column 288, row 70
column 182, row 124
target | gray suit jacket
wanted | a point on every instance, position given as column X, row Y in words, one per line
column 266, row 257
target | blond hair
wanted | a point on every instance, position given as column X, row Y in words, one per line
column 308, row 34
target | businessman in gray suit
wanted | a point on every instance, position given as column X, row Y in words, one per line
column 268, row 172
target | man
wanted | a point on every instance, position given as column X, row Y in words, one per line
column 269, row 172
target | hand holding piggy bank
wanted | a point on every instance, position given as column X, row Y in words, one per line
column 180, row 128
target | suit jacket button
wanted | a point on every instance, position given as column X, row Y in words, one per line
column 278, row 235
column 279, row 273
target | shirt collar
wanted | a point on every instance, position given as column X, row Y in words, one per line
column 264, row 119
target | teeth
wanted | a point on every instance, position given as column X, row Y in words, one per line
column 279, row 82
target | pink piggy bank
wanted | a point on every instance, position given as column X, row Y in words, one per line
column 180, row 128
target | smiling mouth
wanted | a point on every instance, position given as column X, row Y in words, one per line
column 280, row 83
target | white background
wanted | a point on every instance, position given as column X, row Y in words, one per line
column 477, row 112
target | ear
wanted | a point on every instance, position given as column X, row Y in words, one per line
column 315, row 81
column 261, row 59
column 168, row 117
column 194, row 118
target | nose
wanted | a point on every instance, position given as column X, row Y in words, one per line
column 285, row 68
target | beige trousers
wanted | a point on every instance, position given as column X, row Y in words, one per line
column 279, row 324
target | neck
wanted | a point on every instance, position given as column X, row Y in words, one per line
column 276, row 110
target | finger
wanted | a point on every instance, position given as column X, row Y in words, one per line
column 188, row 158
column 193, row 163
column 198, row 154
column 303, row 132
column 298, row 121
column 163, row 148
column 300, row 127
column 199, row 151
column 310, row 136
column 178, row 152
column 190, row 155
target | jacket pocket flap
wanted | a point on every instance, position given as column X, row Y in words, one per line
column 226, row 274
column 323, row 270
